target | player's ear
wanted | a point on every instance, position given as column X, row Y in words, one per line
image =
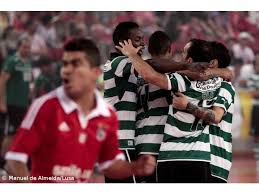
column 169, row 51
column 190, row 60
column 214, row 63
column 96, row 71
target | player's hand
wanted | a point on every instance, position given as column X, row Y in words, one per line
column 195, row 75
column 127, row 48
column 204, row 75
column 180, row 101
column 144, row 166
column 200, row 66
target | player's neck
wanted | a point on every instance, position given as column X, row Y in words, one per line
column 87, row 102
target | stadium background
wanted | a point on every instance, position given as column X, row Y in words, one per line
column 49, row 30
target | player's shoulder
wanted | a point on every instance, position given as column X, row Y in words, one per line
column 178, row 76
column 47, row 100
column 227, row 85
column 119, row 59
column 40, row 108
column 116, row 62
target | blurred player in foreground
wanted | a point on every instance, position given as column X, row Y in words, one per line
column 68, row 130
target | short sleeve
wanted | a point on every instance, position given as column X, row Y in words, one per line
column 29, row 135
column 177, row 82
column 226, row 96
column 122, row 67
column 8, row 65
column 110, row 148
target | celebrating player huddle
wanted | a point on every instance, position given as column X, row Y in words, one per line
column 175, row 114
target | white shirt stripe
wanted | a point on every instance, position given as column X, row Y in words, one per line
column 185, row 146
column 17, row 156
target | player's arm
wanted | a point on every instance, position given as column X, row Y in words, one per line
column 159, row 64
column 17, row 169
column 209, row 116
column 167, row 65
column 225, row 73
column 121, row 169
column 27, row 139
column 4, row 77
column 170, row 65
column 147, row 71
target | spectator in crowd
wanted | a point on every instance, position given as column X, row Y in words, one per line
column 38, row 44
column 47, row 80
column 242, row 49
column 47, row 30
column 15, row 78
column 252, row 84
column 9, row 41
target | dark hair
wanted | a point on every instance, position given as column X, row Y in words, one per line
column 87, row 46
column 200, row 51
column 221, row 53
column 43, row 61
column 159, row 43
column 122, row 31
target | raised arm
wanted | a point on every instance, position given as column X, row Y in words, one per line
column 150, row 72
column 142, row 67
column 167, row 65
column 225, row 73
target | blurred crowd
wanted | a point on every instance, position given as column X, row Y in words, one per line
column 49, row 30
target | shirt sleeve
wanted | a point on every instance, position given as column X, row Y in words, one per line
column 122, row 67
column 226, row 96
column 8, row 65
column 110, row 149
column 29, row 135
column 177, row 83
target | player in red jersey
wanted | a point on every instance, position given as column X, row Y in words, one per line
column 68, row 130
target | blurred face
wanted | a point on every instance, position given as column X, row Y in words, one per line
column 243, row 42
column 185, row 52
column 137, row 39
column 78, row 77
column 25, row 49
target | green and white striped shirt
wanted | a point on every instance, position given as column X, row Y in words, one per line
column 120, row 90
column 221, row 134
column 253, row 82
column 152, row 112
column 187, row 137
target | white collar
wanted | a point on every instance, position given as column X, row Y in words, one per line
column 101, row 109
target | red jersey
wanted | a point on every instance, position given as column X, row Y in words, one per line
column 63, row 144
